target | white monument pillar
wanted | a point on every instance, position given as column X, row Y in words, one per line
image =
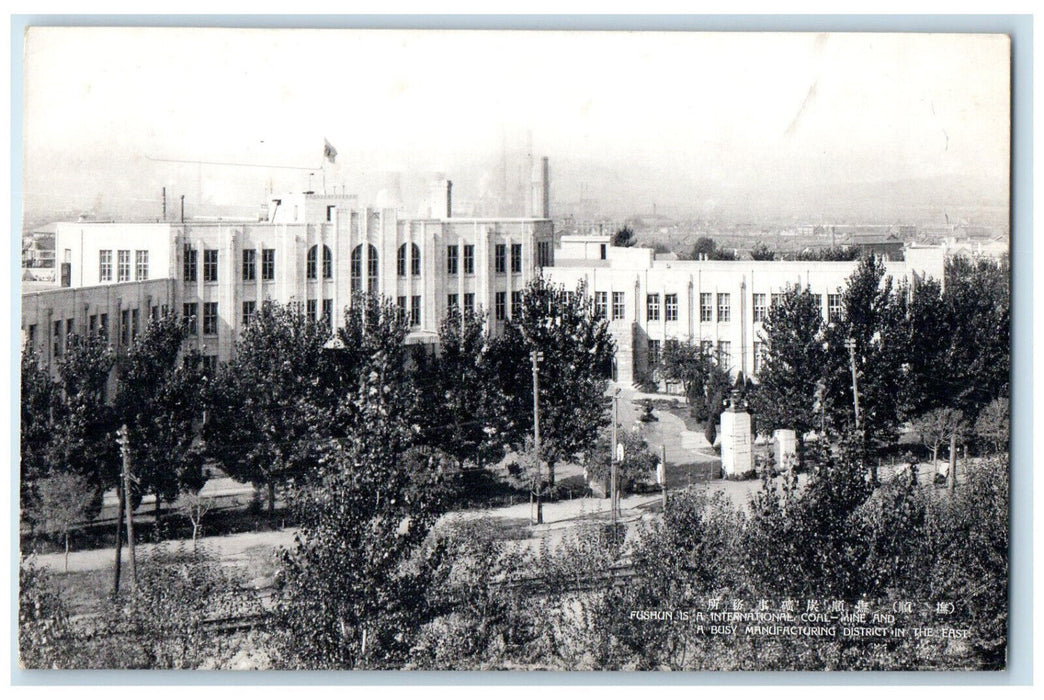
column 736, row 455
column 785, row 449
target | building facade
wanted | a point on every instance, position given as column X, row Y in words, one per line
column 719, row 304
column 314, row 249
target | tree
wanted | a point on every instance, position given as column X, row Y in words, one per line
column 978, row 308
column 346, row 597
column 760, row 251
column 624, row 237
column 64, row 503
column 936, row 427
column 708, row 248
column 160, row 399
column 455, row 391
column 791, row 365
column 39, row 401
column 263, row 412
column 195, row 506
column 84, row 429
column 636, row 470
column 992, row 424
column 577, row 351
column 874, row 320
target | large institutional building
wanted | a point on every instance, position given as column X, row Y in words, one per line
column 318, row 249
column 719, row 304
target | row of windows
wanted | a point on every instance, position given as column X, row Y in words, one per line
column 123, row 265
column 724, row 306
column 499, row 304
column 500, row 259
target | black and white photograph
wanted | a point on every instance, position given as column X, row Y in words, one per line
column 494, row 350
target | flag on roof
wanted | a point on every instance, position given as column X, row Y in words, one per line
column 329, row 152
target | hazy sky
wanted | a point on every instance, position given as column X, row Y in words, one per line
column 686, row 119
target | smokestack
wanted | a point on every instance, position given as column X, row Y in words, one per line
column 546, row 182
column 182, row 208
column 164, row 203
column 449, row 198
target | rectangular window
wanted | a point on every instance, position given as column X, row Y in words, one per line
column 775, row 299
column 188, row 315
column 516, row 258
column 601, row 304
column 189, row 268
column 601, row 251
column 328, row 312
column 706, row 307
column 92, row 324
column 125, row 327
column 123, row 269
column 210, row 317
column 759, row 348
column 400, row 261
column 329, row 212
column 70, row 328
column 105, row 266
column 500, row 258
column 141, row 264
column 724, row 353
column 154, row 313
column 652, row 307
column 724, row 308
column 469, row 303
column 135, row 318
column 500, row 305
column 833, row 307
column 311, row 309
column 819, row 302
column 469, row 259
column 654, row 353
column 400, row 308
column 415, row 310
column 249, row 265
column 103, row 326
column 210, row 265
column 516, row 304
column 249, row 307
column 544, row 255
column 760, row 310
column 451, row 301
column 32, row 336
column 56, row 338
column 267, row 264
column 618, row 305
column 671, row 310
column 707, row 348
column 209, row 365
column 451, row 260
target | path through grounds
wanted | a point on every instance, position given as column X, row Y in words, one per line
column 687, row 452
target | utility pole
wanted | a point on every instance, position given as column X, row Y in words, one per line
column 850, row 344
column 127, row 479
column 119, row 541
column 614, row 495
column 663, row 475
column 536, row 358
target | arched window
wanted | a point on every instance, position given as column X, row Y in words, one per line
column 371, row 269
column 313, row 262
column 415, row 260
column 327, row 263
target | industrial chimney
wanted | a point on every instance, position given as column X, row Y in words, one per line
column 546, row 184
column 449, row 198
